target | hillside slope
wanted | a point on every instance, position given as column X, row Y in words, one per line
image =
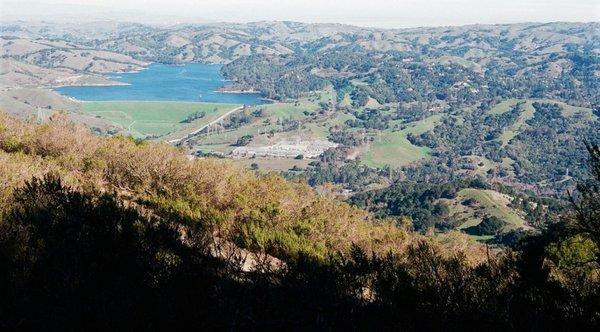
column 264, row 213
column 117, row 233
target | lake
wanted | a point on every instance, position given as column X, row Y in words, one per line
column 160, row 82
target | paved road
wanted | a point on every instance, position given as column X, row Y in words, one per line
column 199, row 130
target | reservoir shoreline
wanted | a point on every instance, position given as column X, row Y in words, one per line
column 191, row 82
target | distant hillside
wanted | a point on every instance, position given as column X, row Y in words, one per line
column 461, row 64
column 32, row 63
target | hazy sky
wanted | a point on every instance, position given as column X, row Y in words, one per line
column 380, row 13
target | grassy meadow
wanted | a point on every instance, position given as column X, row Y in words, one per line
column 528, row 111
column 488, row 202
column 149, row 118
column 393, row 148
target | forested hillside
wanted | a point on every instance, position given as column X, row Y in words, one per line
column 459, row 65
column 121, row 234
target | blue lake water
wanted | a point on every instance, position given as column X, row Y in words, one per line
column 160, row 82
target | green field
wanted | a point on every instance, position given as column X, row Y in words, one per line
column 568, row 110
column 346, row 101
column 528, row 112
column 321, row 129
column 504, row 106
column 489, row 203
column 144, row 118
column 393, row 148
column 272, row 164
column 287, row 110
